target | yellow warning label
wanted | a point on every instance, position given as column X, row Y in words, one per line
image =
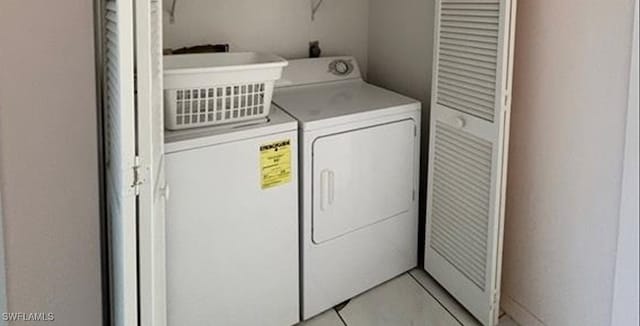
column 275, row 164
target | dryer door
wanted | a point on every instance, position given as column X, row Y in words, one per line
column 362, row 177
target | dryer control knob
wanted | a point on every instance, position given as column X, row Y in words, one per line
column 341, row 67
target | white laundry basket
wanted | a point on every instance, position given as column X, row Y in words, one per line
column 216, row 88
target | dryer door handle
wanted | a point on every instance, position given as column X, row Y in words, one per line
column 327, row 189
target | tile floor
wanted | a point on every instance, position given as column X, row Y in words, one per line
column 411, row 299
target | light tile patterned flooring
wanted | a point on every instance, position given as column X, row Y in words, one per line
column 412, row 299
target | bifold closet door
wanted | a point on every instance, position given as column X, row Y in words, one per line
column 133, row 130
column 120, row 157
column 153, row 190
column 469, row 131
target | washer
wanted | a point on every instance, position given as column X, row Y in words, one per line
column 359, row 156
column 232, row 224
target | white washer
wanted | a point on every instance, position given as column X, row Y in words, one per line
column 232, row 234
column 359, row 157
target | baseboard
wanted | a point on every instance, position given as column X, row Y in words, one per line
column 518, row 313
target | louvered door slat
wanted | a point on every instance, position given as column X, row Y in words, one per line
column 455, row 190
column 460, row 222
column 465, row 169
column 466, row 98
column 454, row 17
column 489, row 34
column 449, row 179
column 473, row 27
column 487, row 53
column 478, row 40
column 451, row 250
column 459, row 22
column 463, row 207
column 447, row 242
column 474, row 224
column 443, row 100
column 473, row 74
column 470, row 81
column 461, row 201
column 474, row 247
column 464, row 43
column 474, row 190
column 471, row 5
column 466, row 13
column 486, row 61
column 468, row 141
column 462, row 91
column 468, row 63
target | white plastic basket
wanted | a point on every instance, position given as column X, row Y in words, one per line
column 216, row 88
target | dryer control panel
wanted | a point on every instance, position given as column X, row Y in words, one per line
column 319, row 70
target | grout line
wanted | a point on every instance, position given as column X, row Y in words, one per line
column 434, row 297
column 340, row 316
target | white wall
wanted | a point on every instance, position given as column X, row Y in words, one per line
column 49, row 160
column 569, row 117
column 625, row 299
column 283, row 27
column 401, row 46
column 400, row 55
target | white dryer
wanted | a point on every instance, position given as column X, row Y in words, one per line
column 359, row 156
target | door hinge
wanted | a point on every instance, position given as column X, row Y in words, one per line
column 138, row 178
column 415, row 131
column 414, row 195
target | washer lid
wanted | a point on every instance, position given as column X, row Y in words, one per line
column 327, row 104
column 277, row 122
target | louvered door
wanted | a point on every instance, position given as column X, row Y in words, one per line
column 149, row 102
column 134, row 159
column 468, row 150
column 120, row 153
